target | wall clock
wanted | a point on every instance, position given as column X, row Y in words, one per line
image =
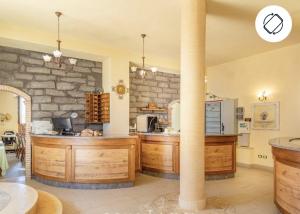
column 120, row 89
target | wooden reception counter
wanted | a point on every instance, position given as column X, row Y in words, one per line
column 286, row 154
column 84, row 162
column 160, row 155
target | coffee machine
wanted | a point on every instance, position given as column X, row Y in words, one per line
column 146, row 123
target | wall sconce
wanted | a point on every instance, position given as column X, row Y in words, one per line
column 263, row 96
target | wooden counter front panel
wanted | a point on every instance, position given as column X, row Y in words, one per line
column 287, row 191
column 96, row 163
column 158, row 156
column 50, row 162
column 218, row 158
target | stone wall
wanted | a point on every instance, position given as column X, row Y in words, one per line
column 55, row 91
column 161, row 88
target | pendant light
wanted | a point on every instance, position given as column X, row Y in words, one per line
column 57, row 53
column 142, row 71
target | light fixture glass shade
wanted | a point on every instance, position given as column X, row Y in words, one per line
column 142, row 73
column 47, row 58
column 133, row 68
column 154, row 69
column 72, row 61
column 57, row 53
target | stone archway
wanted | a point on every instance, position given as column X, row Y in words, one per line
column 28, row 125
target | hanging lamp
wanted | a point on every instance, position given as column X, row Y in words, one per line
column 57, row 54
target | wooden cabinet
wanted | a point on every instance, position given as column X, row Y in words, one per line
column 220, row 154
column 97, row 108
column 160, row 153
column 84, row 159
column 287, row 180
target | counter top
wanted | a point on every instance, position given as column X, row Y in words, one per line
column 178, row 134
column 82, row 137
column 284, row 143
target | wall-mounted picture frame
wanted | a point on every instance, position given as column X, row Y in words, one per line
column 266, row 116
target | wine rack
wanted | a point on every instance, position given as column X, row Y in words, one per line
column 97, row 108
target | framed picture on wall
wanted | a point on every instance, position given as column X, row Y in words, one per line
column 265, row 116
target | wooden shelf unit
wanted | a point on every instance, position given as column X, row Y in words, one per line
column 157, row 110
column 97, row 108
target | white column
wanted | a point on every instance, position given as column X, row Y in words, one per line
column 192, row 101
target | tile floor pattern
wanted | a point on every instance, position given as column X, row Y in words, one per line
column 250, row 192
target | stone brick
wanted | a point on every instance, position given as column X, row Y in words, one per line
column 81, row 100
column 41, row 114
column 8, row 66
column 70, row 79
column 73, row 74
column 36, row 92
column 36, row 55
column 99, row 64
column 91, row 83
column 41, row 70
column 174, row 85
column 72, row 107
column 91, row 78
column 4, row 75
column 42, row 84
column 175, row 79
column 59, row 113
column 41, row 99
column 164, row 95
column 137, row 81
column 9, row 57
column 23, row 76
column 49, row 107
column 132, row 99
column 15, row 50
column 163, row 85
column 96, row 70
column 58, row 72
column 64, row 100
column 81, row 69
column 160, row 78
column 155, row 89
column 55, row 65
column 144, row 99
column 150, row 83
column 35, row 107
column 53, row 92
column 13, row 83
column 143, row 88
column 76, row 93
column 148, row 94
column 86, row 88
column 65, row 86
column 44, row 77
column 85, row 63
column 32, row 61
column 169, row 90
column 159, row 100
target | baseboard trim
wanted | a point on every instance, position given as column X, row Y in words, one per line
column 256, row 166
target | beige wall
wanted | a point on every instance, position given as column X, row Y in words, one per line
column 276, row 71
column 9, row 104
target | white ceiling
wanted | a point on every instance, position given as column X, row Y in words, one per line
column 119, row 23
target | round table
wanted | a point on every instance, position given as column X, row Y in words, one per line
column 17, row 198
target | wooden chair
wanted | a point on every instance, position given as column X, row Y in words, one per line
column 20, row 150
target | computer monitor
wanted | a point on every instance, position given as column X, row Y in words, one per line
column 62, row 125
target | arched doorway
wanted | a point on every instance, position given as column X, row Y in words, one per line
column 28, row 124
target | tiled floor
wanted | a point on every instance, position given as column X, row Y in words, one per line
column 250, row 192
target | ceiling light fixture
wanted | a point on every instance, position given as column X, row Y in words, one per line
column 57, row 53
column 142, row 71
